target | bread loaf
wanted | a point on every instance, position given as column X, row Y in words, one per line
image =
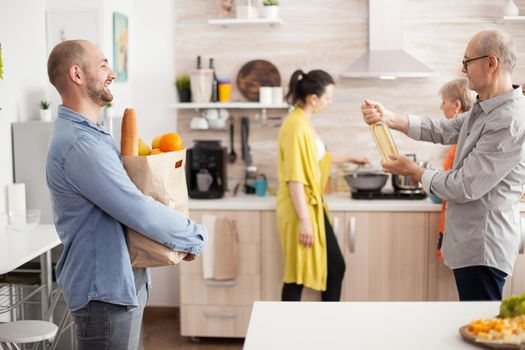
column 129, row 137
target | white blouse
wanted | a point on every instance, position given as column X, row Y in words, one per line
column 321, row 148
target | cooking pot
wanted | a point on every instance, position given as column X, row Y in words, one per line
column 407, row 183
column 366, row 180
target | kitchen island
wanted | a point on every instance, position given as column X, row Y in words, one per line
column 372, row 325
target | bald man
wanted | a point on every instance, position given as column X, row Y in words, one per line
column 93, row 199
column 485, row 184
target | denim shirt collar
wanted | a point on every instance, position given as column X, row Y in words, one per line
column 495, row 102
column 66, row 113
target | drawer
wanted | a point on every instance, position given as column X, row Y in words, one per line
column 249, row 261
column 215, row 321
column 242, row 291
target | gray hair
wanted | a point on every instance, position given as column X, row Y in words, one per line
column 498, row 43
column 457, row 90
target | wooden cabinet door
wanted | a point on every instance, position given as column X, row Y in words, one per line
column 441, row 282
column 386, row 256
column 272, row 257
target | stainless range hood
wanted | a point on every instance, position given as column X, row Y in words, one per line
column 386, row 58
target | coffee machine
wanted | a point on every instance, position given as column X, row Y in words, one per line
column 206, row 170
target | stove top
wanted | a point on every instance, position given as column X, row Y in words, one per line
column 388, row 195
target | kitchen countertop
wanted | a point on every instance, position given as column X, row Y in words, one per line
column 336, row 202
column 363, row 325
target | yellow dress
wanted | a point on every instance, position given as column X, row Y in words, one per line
column 298, row 162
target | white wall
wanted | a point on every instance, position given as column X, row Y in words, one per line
column 24, row 83
column 153, row 71
column 149, row 88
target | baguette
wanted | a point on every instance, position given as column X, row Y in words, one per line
column 129, row 137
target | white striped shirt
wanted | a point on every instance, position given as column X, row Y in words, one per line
column 485, row 184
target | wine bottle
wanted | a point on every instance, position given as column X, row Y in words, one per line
column 215, row 84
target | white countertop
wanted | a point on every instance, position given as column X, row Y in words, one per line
column 336, row 202
column 363, row 325
column 19, row 247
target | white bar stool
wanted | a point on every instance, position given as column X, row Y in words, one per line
column 23, row 332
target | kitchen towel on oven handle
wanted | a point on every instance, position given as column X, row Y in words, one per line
column 220, row 260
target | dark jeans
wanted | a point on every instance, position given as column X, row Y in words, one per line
column 105, row 326
column 336, row 271
column 479, row 283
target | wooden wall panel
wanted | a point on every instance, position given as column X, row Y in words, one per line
column 330, row 35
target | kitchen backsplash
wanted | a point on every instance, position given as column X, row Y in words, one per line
column 331, row 35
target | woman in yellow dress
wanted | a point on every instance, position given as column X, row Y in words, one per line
column 312, row 257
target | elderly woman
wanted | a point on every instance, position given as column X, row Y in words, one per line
column 456, row 98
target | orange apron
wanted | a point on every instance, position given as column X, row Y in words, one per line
column 447, row 165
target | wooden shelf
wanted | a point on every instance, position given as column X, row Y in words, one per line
column 228, row 105
column 245, row 21
column 473, row 20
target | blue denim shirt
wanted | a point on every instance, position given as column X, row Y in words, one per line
column 92, row 199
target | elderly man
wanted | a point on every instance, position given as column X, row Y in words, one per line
column 485, row 184
column 92, row 199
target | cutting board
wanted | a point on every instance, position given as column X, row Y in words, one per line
column 255, row 74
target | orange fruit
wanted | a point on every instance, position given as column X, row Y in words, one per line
column 155, row 151
column 170, row 142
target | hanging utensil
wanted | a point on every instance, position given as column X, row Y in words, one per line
column 232, row 156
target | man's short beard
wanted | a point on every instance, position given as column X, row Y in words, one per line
column 98, row 95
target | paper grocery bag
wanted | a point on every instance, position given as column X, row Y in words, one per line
column 162, row 177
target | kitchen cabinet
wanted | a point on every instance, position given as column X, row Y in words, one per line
column 386, row 256
column 222, row 308
column 389, row 256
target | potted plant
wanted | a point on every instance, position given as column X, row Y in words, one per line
column 45, row 111
column 271, row 9
column 183, row 88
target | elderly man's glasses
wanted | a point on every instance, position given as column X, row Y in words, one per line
column 466, row 61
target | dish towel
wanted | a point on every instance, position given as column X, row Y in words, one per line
column 220, row 259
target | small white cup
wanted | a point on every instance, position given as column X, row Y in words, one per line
column 277, row 95
column 265, row 95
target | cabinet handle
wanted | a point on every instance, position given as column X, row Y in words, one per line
column 216, row 283
column 216, row 314
column 336, row 228
column 522, row 236
column 352, row 234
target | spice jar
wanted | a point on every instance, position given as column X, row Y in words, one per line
column 225, row 88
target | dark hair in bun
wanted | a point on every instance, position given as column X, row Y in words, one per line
column 304, row 84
